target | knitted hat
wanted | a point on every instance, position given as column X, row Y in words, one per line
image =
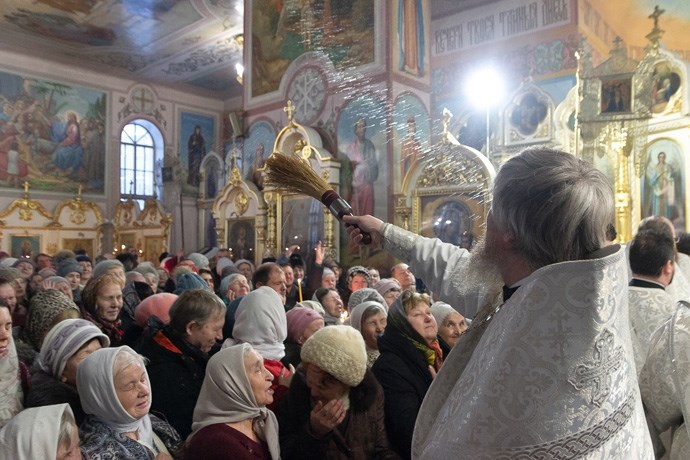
column 200, row 260
column 104, row 266
column 364, row 295
column 239, row 262
column 24, row 260
column 440, row 310
column 298, row 320
column 84, row 258
column 157, row 305
column 10, row 274
column 338, row 350
column 44, row 309
column 313, row 305
column 47, row 272
column 7, row 262
column 187, row 281
column 358, row 269
column 64, row 340
column 222, row 263
column 67, row 266
column 386, row 284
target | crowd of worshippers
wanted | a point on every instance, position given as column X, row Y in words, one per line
column 117, row 358
column 198, row 356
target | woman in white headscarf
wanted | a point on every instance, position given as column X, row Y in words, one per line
column 41, row 432
column 261, row 322
column 370, row 319
column 116, row 396
column 231, row 420
column 11, row 392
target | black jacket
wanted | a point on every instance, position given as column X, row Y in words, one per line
column 176, row 370
column 403, row 372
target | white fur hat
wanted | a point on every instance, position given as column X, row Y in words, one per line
column 338, row 350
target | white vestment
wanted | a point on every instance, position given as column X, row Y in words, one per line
column 665, row 381
column 649, row 309
column 551, row 375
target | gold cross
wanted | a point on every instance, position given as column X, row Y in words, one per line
column 289, row 109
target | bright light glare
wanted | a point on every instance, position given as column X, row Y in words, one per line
column 484, row 87
column 240, row 69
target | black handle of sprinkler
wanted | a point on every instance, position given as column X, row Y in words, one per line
column 339, row 208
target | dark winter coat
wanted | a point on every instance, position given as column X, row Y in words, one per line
column 404, row 375
column 361, row 435
column 176, row 370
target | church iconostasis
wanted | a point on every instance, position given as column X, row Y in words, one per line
column 27, row 228
column 145, row 231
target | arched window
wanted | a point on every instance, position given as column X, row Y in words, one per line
column 140, row 148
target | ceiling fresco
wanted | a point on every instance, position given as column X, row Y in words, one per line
column 173, row 42
column 193, row 44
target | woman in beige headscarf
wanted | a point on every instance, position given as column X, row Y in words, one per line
column 231, row 420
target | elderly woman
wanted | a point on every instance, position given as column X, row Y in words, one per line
column 178, row 354
column 43, row 432
column 112, row 266
column 116, row 396
column 11, row 372
column 334, row 408
column 233, row 287
column 150, row 274
column 410, row 357
column 231, row 420
column 332, row 304
column 64, row 348
column 261, row 322
column 370, row 319
column 245, row 267
column 389, row 288
column 302, row 322
column 47, row 309
column 102, row 302
column 451, row 324
column 58, row 283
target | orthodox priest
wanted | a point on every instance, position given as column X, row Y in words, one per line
column 546, row 370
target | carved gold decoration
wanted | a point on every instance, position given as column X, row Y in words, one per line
column 271, row 225
column 445, row 170
column 241, row 203
column 26, row 207
column 235, row 176
column 402, row 211
column 290, row 110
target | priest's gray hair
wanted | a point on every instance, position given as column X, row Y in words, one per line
column 555, row 206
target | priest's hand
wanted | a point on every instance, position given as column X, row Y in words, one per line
column 369, row 224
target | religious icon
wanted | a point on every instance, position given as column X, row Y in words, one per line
column 665, row 85
column 615, row 96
